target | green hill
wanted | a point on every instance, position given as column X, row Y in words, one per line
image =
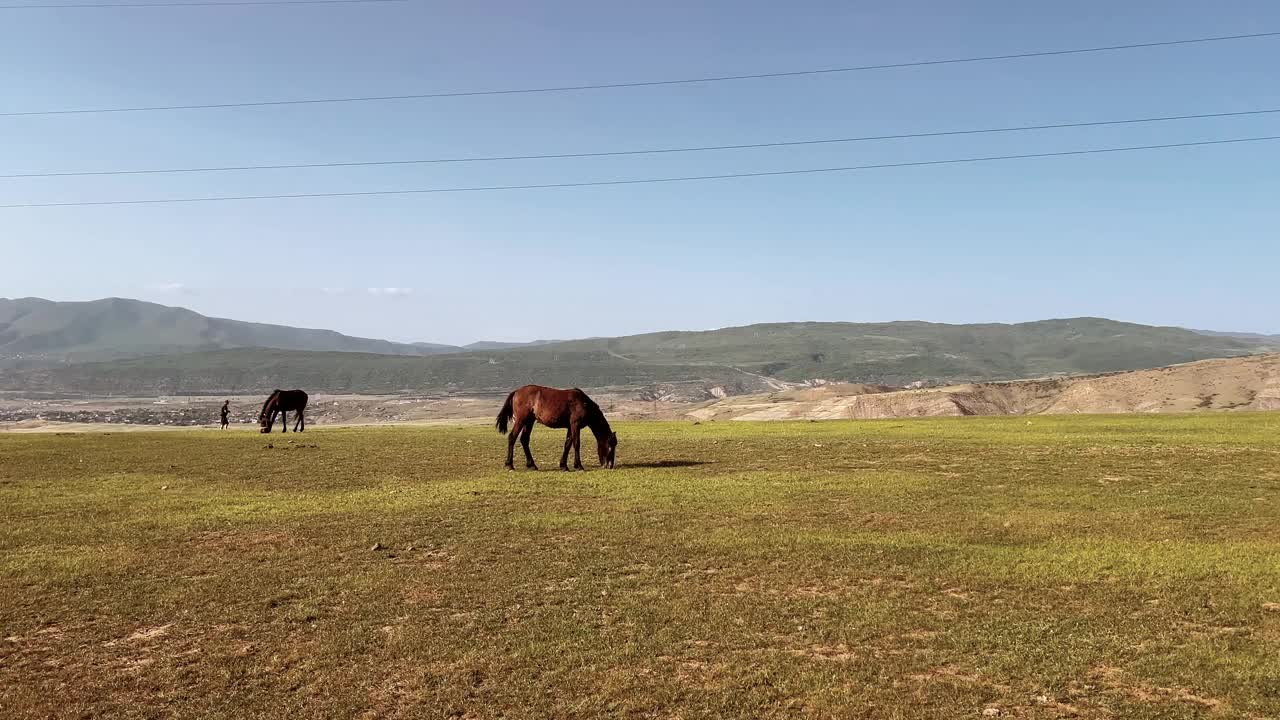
column 898, row 352
column 742, row 358
column 36, row 332
column 256, row 370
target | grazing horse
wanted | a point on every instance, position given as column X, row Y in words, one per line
column 569, row 409
column 284, row 401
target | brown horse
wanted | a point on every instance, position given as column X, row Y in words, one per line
column 569, row 409
column 284, row 402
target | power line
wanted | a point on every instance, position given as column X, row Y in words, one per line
column 653, row 151
column 34, row 6
column 647, row 83
column 646, row 181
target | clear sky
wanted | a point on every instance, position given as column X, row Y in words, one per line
column 1182, row 237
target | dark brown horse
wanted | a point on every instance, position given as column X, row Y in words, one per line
column 284, row 402
column 568, row 409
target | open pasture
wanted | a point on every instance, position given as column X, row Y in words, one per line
column 1090, row 567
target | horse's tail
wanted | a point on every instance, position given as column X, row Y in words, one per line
column 507, row 411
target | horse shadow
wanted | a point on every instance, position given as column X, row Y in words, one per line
column 658, row 464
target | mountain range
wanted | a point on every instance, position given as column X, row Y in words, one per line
column 37, row 332
column 119, row 346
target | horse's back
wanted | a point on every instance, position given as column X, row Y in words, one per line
column 550, row 406
column 288, row 399
column 533, row 394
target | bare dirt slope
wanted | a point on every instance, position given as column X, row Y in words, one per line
column 1248, row 383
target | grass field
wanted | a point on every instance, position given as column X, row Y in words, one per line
column 1118, row 567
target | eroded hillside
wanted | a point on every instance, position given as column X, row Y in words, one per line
column 1248, row 383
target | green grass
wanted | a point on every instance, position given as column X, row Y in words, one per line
column 1117, row 567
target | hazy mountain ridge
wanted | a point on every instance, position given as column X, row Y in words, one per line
column 41, row 332
column 497, row 345
column 1272, row 342
column 35, row 332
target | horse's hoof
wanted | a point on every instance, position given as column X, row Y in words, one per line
column 531, row 467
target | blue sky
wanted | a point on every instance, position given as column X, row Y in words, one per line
column 1182, row 237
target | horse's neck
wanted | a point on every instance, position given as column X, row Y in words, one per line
column 599, row 427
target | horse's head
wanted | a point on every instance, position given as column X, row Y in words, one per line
column 607, row 448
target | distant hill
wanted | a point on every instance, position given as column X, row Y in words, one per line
column 35, row 332
column 495, row 345
column 256, row 370
column 901, row 352
column 743, row 359
column 1271, row 342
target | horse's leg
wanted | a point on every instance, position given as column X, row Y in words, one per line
column 568, row 443
column 577, row 446
column 284, row 421
column 510, row 464
column 524, row 442
column 300, row 423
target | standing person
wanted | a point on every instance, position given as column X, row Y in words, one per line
column 226, row 410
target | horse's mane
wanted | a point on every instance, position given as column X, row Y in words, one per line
column 270, row 398
column 595, row 416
